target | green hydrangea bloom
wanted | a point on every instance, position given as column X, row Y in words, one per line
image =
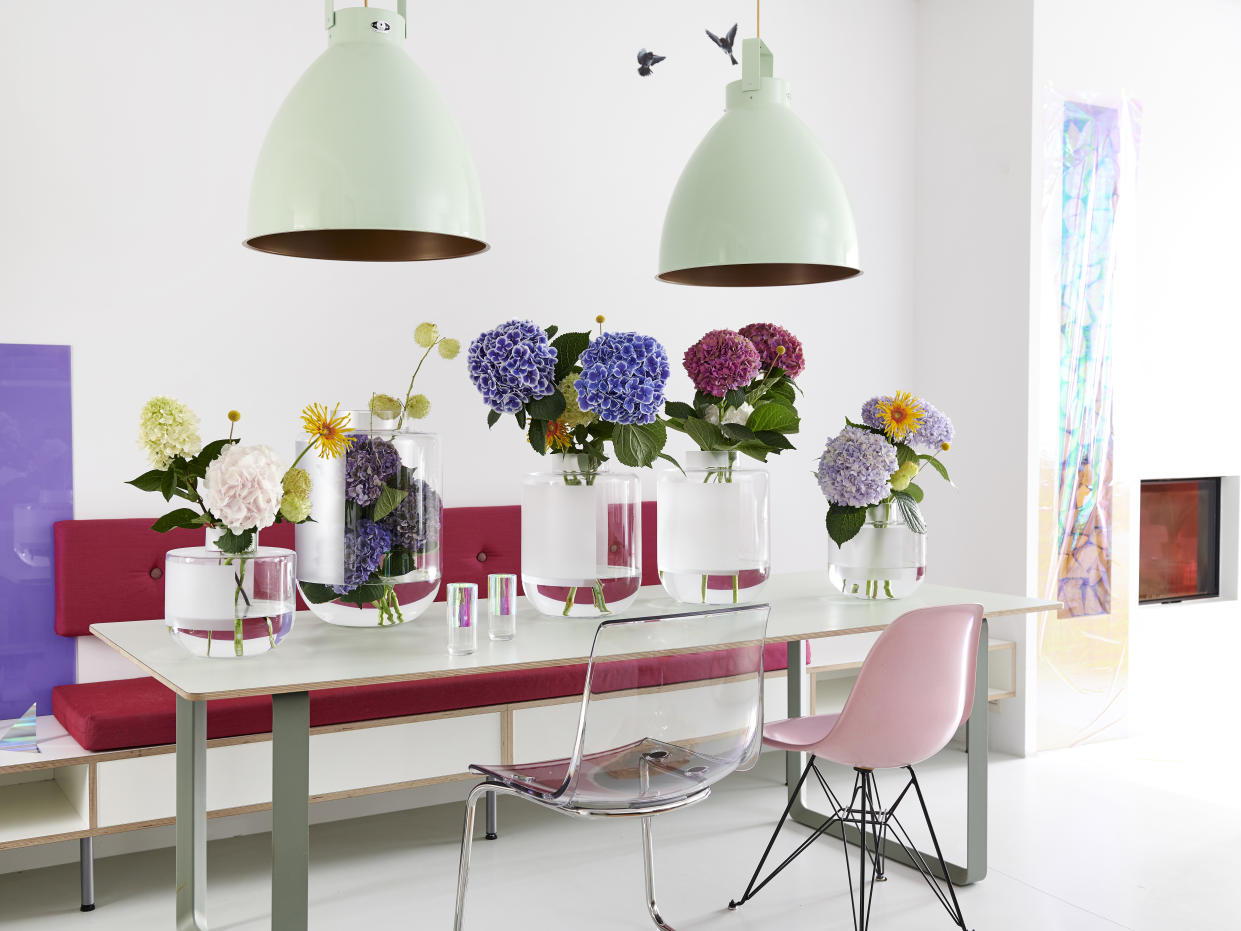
column 296, row 482
column 573, row 415
column 903, row 476
column 167, row 428
column 295, row 508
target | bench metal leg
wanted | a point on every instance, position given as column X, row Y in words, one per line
column 290, row 813
column 86, row 864
column 492, row 817
column 191, row 815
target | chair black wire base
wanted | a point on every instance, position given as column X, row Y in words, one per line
column 875, row 825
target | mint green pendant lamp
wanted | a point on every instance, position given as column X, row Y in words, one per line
column 759, row 202
column 363, row 162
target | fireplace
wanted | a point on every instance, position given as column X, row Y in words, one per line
column 1179, row 540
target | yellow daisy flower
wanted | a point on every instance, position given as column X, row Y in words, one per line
column 327, row 431
column 558, row 436
column 901, row 415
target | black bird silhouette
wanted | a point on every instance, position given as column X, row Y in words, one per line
column 726, row 43
column 647, row 60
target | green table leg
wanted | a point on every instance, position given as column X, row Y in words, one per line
column 975, row 867
column 290, row 811
column 191, row 815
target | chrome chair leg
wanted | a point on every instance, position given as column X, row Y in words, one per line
column 493, row 830
column 648, row 860
column 467, row 847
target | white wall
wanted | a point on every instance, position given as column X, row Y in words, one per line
column 130, row 132
column 1176, row 337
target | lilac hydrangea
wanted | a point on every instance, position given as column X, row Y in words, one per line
column 512, row 365
column 366, row 544
column 870, row 412
column 934, row 431
column 856, row 468
column 768, row 339
column 623, row 378
column 721, row 361
column 415, row 522
column 369, row 463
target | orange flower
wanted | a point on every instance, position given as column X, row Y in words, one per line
column 558, row 436
column 901, row 415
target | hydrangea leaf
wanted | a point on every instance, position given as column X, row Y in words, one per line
column 568, row 347
column 678, row 409
column 547, row 408
column 775, row 417
column 905, row 453
column 181, row 517
column 639, row 444
column 844, row 522
column 738, row 433
column 235, row 543
column 316, row 593
column 537, row 435
column 148, row 481
column 197, row 466
column 735, row 398
column 367, row 593
column 387, row 501
column 915, row 491
column 493, row 418
column 707, row 435
column 936, row 465
column 777, row 441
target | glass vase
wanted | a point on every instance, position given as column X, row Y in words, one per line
column 885, row 560
column 370, row 555
column 227, row 606
column 581, row 539
column 713, row 530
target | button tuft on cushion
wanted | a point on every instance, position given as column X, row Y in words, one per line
column 157, row 573
column 481, row 557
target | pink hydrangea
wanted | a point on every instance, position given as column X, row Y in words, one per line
column 242, row 488
column 721, row 361
column 768, row 338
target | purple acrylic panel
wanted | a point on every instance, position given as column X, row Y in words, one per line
column 36, row 489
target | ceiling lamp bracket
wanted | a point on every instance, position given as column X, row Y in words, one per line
column 329, row 15
column 757, row 63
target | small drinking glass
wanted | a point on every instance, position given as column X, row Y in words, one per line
column 462, row 614
column 502, row 604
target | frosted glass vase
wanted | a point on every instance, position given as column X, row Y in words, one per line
column 370, row 556
column 886, row 560
column 228, row 606
column 714, row 530
column 581, row 540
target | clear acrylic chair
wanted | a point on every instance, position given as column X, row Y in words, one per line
column 914, row 690
column 640, row 750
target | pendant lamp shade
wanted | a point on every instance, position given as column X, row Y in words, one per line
column 759, row 202
column 364, row 162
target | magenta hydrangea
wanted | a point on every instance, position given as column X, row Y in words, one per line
column 768, row 338
column 721, row 361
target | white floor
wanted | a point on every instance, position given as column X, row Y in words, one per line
column 1102, row 837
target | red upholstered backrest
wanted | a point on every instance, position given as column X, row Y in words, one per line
column 103, row 568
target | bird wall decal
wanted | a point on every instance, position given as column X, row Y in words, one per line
column 725, row 43
column 647, row 60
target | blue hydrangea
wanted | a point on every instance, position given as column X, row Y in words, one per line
column 935, row 430
column 856, row 468
column 369, row 463
column 415, row 522
column 870, row 413
column 366, row 544
column 512, row 365
column 623, row 378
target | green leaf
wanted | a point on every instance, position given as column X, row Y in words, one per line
column 735, row 398
column 639, row 444
column 754, row 449
column 568, row 347
column 399, row 562
column 148, row 481
column 775, row 417
column 366, row 593
column 702, row 401
column 235, row 543
column 537, row 434
column 181, row 517
column 915, row 491
column 316, row 593
column 936, row 465
column 738, row 433
column 197, row 466
column 665, row 456
column 678, row 409
column 551, row 331
column 844, row 522
column 862, row 426
column 777, row 441
column 706, row 435
column 905, row 453
column 909, row 511
column 520, row 417
column 387, row 502
column 548, row 408
column 168, row 485
column 493, row 418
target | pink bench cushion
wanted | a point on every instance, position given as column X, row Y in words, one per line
column 126, row 713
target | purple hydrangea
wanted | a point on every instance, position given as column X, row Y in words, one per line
column 767, row 339
column 870, row 412
column 721, row 361
column 512, row 365
column 856, row 468
column 415, row 522
column 935, row 430
column 369, row 463
column 623, row 378
column 366, row 544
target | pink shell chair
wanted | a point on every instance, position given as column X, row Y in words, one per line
column 914, row 690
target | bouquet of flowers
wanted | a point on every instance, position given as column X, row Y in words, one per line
column 392, row 514
column 874, row 463
column 745, row 392
column 575, row 394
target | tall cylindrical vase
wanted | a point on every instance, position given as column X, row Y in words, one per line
column 886, row 560
column 370, row 555
column 581, row 539
column 714, row 536
column 229, row 605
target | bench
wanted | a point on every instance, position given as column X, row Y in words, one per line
column 108, row 755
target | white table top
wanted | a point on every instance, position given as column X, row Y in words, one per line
column 318, row 655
